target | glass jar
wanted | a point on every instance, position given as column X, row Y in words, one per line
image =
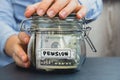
column 56, row 44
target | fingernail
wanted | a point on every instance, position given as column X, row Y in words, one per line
column 40, row 12
column 51, row 13
column 23, row 58
column 80, row 16
column 63, row 14
column 27, row 14
column 26, row 65
column 26, row 40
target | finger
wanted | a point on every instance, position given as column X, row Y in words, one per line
column 43, row 6
column 20, row 57
column 31, row 9
column 68, row 9
column 19, row 62
column 20, row 53
column 56, row 7
column 81, row 12
column 24, row 38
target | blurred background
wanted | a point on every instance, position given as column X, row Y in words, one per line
column 105, row 33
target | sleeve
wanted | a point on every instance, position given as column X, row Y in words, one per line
column 7, row 28
column 94, row 8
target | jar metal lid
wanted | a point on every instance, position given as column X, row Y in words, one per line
column 71, row 17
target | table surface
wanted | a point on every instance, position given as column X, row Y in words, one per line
column 107, row 68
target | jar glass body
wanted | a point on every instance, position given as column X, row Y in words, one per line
column 56, row 44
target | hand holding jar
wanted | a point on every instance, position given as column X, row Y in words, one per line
column 53, row 7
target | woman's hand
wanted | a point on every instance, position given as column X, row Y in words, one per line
column 16, row 47
column 61, row 7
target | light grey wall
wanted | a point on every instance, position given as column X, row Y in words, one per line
column 105, row 32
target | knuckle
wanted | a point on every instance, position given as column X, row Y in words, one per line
column 28, row 7
column 13, row 55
